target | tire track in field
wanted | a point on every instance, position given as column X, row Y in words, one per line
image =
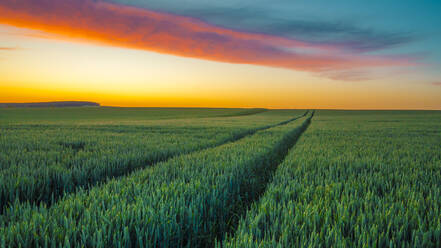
column 235, row 138
column 264, row 175
column 244, row 113
column 134, row 169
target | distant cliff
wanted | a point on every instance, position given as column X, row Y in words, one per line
column 48, row 104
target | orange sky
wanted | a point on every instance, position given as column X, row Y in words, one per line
column 73, row 57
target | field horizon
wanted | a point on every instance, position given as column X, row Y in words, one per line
column 17, row 105
column 143, row 177
column 222, row 124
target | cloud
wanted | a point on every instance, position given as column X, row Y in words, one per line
column 348, row 75
column 137, row 28
column 8, row 48
column 436, row 83
column 257, row 18
column 342, row 33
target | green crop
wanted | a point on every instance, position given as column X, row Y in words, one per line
column 41, row 162
column 111, row 115
column 256, row 179
column 354, row 179
column 189, row 200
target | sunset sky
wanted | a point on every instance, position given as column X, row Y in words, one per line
column 197, row 53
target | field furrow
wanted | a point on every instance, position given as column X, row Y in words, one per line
column 110, row 115
column 58, row 161
column 354, row 179
column 264, row 176
column 189, row 200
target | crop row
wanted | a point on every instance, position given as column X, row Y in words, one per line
column 43, row 163
column 110, row 115
column 189, row 200
column 353, row 181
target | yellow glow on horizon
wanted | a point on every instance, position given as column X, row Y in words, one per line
column 55, row 70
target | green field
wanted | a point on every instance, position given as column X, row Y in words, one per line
column 111, row 115
column 151, row 177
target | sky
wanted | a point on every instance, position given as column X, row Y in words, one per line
column 194, row 53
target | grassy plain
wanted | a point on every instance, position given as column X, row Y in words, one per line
column 354, row 179
column 41, row 162
column 236, row 178
column 111, row 115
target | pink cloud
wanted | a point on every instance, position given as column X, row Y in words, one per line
column 8, row 48
column 123, row 26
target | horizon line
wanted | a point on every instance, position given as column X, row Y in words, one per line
column 217, row 107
